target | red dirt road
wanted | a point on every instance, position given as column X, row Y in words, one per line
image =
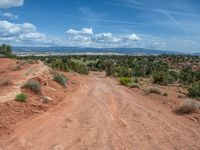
column 102, row 115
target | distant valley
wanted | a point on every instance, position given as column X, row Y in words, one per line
column 90, row 51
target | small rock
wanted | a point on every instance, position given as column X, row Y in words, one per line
column 46, row 99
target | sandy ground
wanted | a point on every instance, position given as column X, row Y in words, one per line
column 103, row 115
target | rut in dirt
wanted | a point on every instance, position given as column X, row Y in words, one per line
column 103, row 115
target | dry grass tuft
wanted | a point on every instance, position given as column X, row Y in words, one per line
column 33, row 85
column 153, row 90
column 188, row 106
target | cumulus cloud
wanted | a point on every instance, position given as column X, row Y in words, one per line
column 133, row 37
column 20, row 33
column 32, row 37
column 86, row 37
column 10, row 15
column 8, row 29
column 11, row 3
column 84, row 31
column 106, row 37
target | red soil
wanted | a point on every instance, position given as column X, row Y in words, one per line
column 12, row 111
column 101, row 114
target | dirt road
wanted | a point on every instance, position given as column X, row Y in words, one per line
column 102, row 115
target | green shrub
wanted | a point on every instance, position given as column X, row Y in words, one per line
column 60, row 78
column 59, row 64
column 174, row 74
column 33, row 85
column 5, row 50
column 163, row 78
column 78, row 67
column 187, row 75
column 125, row 81
column 197, row 75
column 153, row 90
column 21, row 97
column 194, row 90
column 121, row 71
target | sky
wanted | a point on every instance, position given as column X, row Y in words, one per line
column 172, row 25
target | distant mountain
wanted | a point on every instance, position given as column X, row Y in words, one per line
column 78, row 50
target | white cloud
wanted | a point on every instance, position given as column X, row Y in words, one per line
column 21, row 33
column 87, row 38
column 8, row 29
column 10, row 15
column 133, row 37
column 32, row 37
column 84, row 31
column 11, row 3
column 106, row 37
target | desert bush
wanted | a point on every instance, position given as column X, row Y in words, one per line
column 134, row 85
column 60, row 78
column 5, row 50
column 153, row 90
column 109, row 67
column 163, row 78
column 174, row 74
column 121, row 71
column 59, row 64
column 5, row 82
column 78, row 67
column 187, row 75
column 194, row 90
column 197, row 75
column 21, row 97
column 33, row 85
column 144, row 68
column 125, row 81
column 188, row 106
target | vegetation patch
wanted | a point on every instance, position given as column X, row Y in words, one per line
column 21, row 97
column 153, row 90
column 125, row 81
column 78, row 67
column 163, row 78
column 61, row 79
column 134, row 85
column 34, row 86
column 5, row 50
column 188, row 106
column 194, row 90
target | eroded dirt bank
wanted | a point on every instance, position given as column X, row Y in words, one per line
column 102, row 115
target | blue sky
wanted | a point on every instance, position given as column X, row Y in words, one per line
column 159, row 24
